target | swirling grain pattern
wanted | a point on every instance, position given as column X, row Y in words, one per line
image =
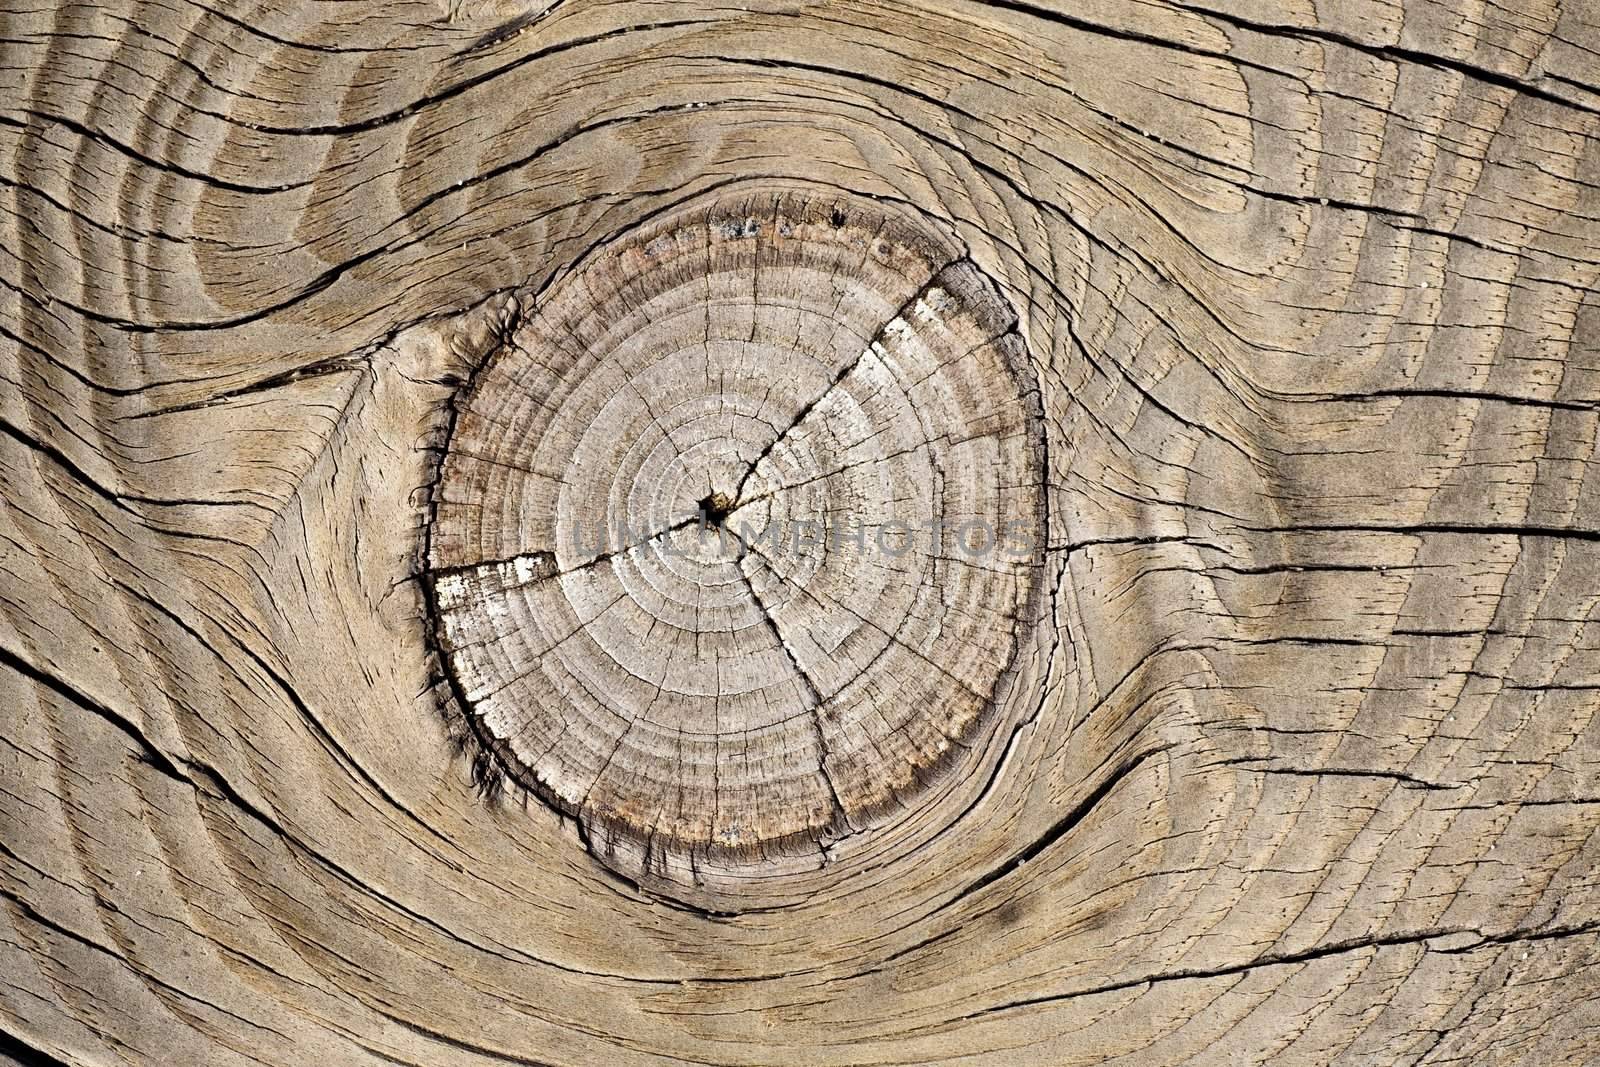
column 1279, row 320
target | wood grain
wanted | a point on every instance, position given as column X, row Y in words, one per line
column 734, row 540
column 1293, row 756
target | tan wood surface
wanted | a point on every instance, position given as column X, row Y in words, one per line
column 328, row 739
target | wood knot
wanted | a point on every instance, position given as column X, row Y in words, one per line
column 736, row 535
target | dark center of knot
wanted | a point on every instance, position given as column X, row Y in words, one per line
column 715, row 509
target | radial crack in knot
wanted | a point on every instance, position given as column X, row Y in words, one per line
column 721, row 663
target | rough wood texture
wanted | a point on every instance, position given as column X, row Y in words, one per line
column 1290, row 758
column 712, row 556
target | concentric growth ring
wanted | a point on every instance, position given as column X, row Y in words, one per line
column 735, row 538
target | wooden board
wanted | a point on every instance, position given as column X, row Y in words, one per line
column 1270, row 329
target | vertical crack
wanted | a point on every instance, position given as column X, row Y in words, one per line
column 817, row 699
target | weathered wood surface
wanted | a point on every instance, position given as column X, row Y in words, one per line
column 735, row 541
column 1293, row 759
